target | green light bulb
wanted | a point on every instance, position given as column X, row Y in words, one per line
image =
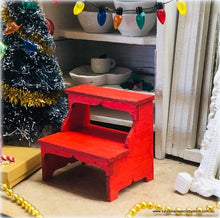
column 27, row 4
column 140, row 19
column 3, row 49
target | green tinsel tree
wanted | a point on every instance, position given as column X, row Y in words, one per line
column 32, row 82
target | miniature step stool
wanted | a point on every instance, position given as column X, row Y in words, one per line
column 125, row 157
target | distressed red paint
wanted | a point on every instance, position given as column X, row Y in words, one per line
column 124, row 156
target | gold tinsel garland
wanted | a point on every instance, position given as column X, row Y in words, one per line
column 34, row 37
column 28, row 98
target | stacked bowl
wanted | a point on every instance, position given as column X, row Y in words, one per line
column 129, row 27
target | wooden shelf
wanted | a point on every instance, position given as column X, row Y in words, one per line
column 105, row 115
column 115, row 37
column 162, row 40
column 115, row 117
column 68, row 82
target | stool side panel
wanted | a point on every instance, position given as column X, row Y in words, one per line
column 77, row 117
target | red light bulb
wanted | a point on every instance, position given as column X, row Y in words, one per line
column 56, row 1
column 161, row 13
column 50, row 25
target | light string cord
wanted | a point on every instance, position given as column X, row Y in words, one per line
column 147, row 10
column 43, row 45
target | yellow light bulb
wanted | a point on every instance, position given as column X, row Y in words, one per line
column 181, row 6
column 78, row 8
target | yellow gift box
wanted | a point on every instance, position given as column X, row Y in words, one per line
column 28, row 160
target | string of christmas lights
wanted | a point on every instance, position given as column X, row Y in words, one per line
column 32, row 41
column 31, row 77
column 141, row 12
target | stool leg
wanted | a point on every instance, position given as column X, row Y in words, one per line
column 149, row 169
column 150, row 176
column 50, row 163
column 111, row 188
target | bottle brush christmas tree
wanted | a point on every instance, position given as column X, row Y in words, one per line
column 32, row 81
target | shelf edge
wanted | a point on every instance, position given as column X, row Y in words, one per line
column 108, row 37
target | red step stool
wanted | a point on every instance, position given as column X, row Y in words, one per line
column 124, row 156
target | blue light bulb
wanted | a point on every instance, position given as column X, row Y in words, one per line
column 102, row 15
column 29, row 46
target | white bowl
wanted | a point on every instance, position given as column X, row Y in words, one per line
column 88, row 21
column 128, row 26
column 118, row 75
column 132, row 4
column 84, row 75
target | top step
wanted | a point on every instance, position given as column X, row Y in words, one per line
column 111, row 94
